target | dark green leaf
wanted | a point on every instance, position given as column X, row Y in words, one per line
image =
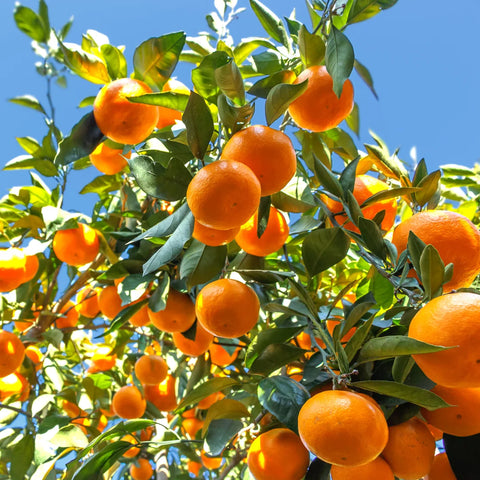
column 283, row 398
column 115, row 60
column 30, row 23
column 418, row 396
column 339, row 59
column 365, row 75
column 82, row 141
column 158, row 299
column 21, row 456
column 270, row 22
column 280, row 97
column 230, row 81
column 199, row 123
column 122, row 318
column 355, row 343
column 462, row 454
column 365, row 9
column 28, row 101
column 168, row 184
column 311, row 46
column 263, row 215
column 324, row 248
column 401, row 367
column 155, row 59
column 415, row 247
column 372, row 236
column 219, row 433
column 393, row 346
column 432, row 271
column 347, row 177
column 172, row 247
column 205, row 389
column 327, row 178
column 275, row 356
column 201, row 263
column 420, row 172
column 225, row 408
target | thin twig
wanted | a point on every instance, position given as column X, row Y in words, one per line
column 15, row 409
column 236, row 459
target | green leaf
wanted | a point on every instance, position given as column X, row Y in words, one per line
column 248, row 45
column 353, row 120
column 365, row 75
column 43, row 166
column 274, row 357
column 339, row 59
column 203, row 76
column 372, row 236
column 387, row 194
column 327, row 178
column 168, row 184
column 324, row 248
column 199, row 123
column 172, row 247
column 355, row 343
column 262, row 87
column 115, row 60
column 21, row 456
column 263, row 215
column 28, row 101
column 122, row 318
column 339, row 141
column 230, row 81
column 201, row 263
column 401, row 367
column 416, row 395
column 82, row 141
column 280, row 97
column 233, row 117
column 428, row 187
column 174, row 100
column 347, row 177
column 383, row 290
column 70, row 436
column 311, row 47
column 283, row 398
column 415, row 247
column 225, row 408
column 102, row 184
column 212, row 385
column 364, row 9
column 393, row 346
column 432, row 270
column 30, row 23
column 155, row 59
column 219, row 434
column 270, row 22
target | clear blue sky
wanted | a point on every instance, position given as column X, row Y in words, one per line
column 422, row 56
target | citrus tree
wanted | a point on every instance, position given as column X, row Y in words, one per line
column 244, row 299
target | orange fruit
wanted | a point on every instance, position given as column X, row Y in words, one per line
column 334, row 426
column 436, row 432
column 128, row 402
column 12, row 352
column 168, row 116
column 454, row 236
column 318, row 108
column 462, row 419
column 219, row 355
column 207, row 402
column 451, row 321
column 377, row 469
column 151, row 369
column 278, row 454
column 191, row 426
column 12, row 268
column 72, row 410
column 194, row 468
column 441, row 468
column 103, row 360
column 178, row 314
column 110, row 302
column 133, row 451
column 211, row 236
column 223, row 195
column 227, row 308
column 196, row 347
column 147, row 433
column 331, row 323
column 69, row 318
column 410, row 449
column 212, row 463
column 31, row 267
column 121, row 120
column 268, row 152
column 366, row 186
column 76, row 246
column 273, row 238
column 140, row 318
column 163, row 395
column 14, row 384
column 35, row 355
column 109, row 160
column 141, row 469
column 87, row 301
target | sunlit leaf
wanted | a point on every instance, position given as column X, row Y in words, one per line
column 339, row 59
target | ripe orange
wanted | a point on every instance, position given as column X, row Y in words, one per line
column 377, row 469
column 69, row 318
column 31, row 267
column 455, row 237
column 193, row 348
column 103, row 360
column 87, row 301
column 151, row 369
column 462, row 419
column 191, row 426
column 168, row 116
column 110, row 302
column 211, row 236
column 109, row 160
column 212, row 463
column 219, row 356
column 334, row 426
column 318, row 108
column 35, row 355
column 366, row 186
column 121, row 120
column 14, row 384
column 140, row 318
column 194, row 468
column 12, row 268
column 274, row 236
column 410, row 449
column 223, row 195
column 143, row 471
column 278, row 454
column 436, row 432
column 452, row 321
column 133, row 451
column 128, row 402
column 227, row 308
column 178, row 314
column 76, row 246
column 441, row 468
column 207, row 402
column 163, row 395
column 268, row 152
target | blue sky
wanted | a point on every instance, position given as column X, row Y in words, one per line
column 422, row 56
